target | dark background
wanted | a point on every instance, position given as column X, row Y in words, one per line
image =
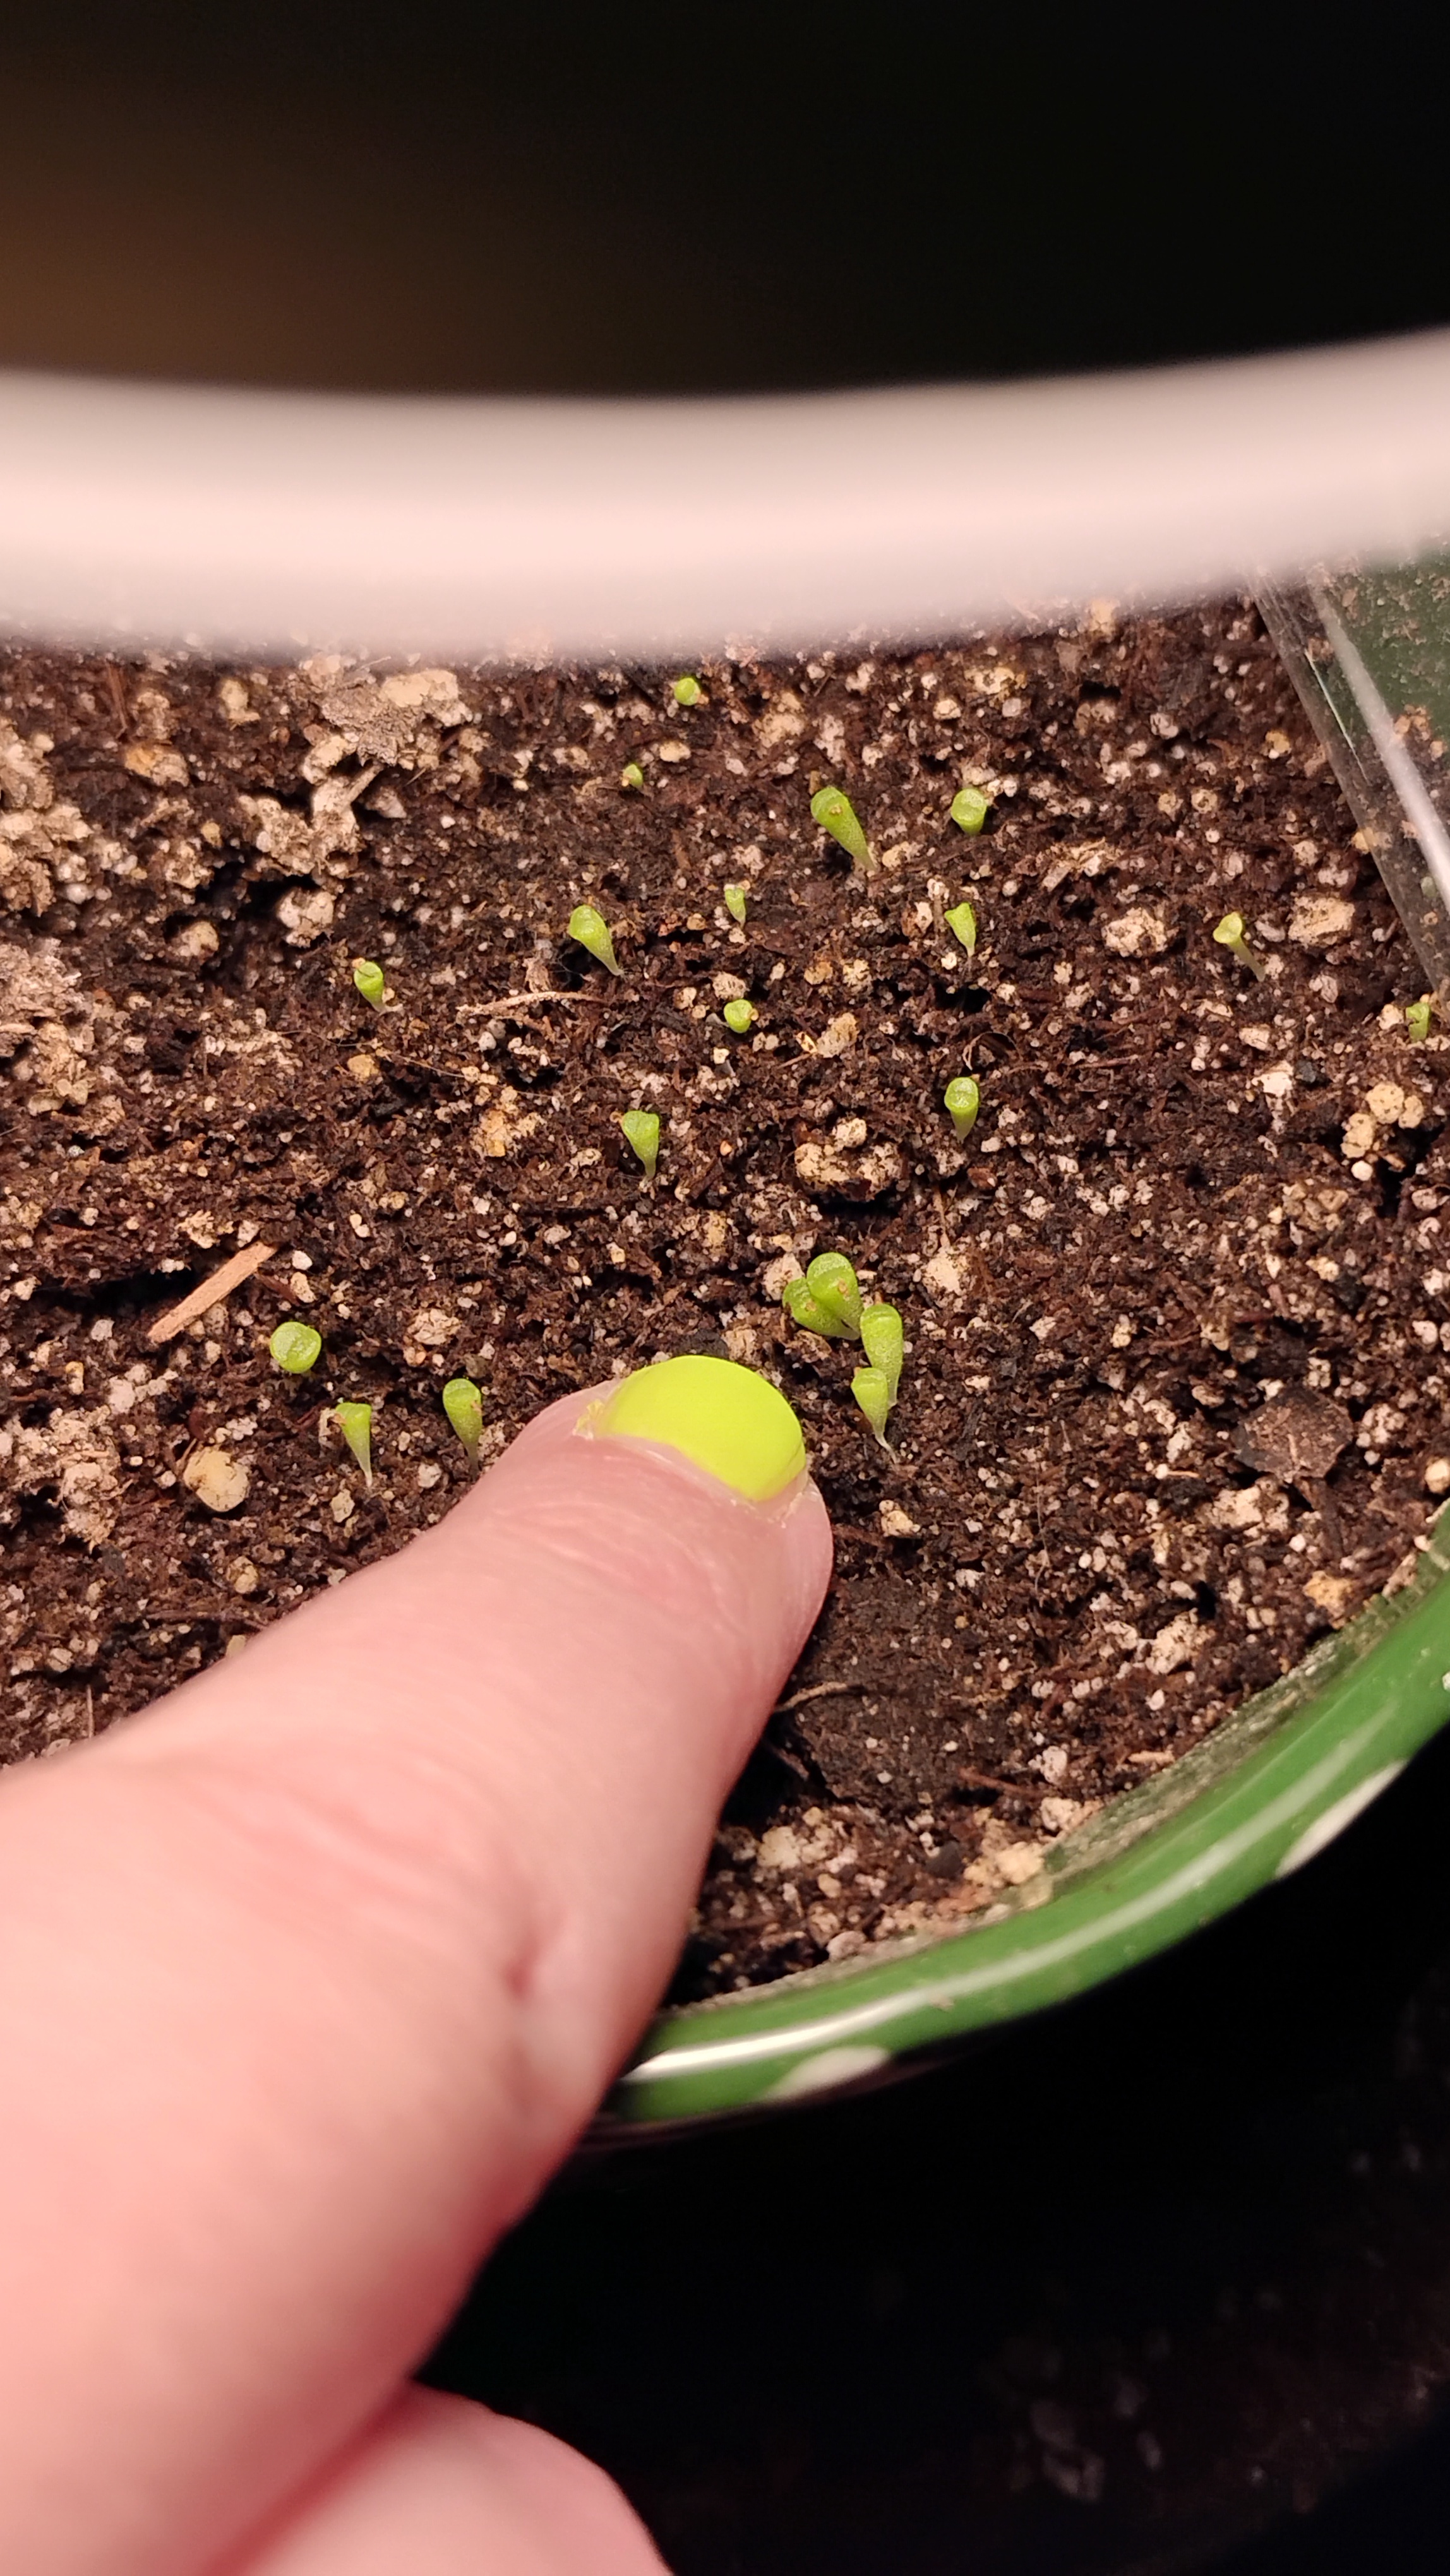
column 1194, row 2229
column 456, row 195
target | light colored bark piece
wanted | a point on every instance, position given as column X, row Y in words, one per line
column 212, row 1291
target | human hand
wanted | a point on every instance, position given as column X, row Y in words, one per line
column 313, row 1973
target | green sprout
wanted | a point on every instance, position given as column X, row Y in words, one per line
column 464, row 1407
column 631, row 775
column 592, row 932
column 370, row 981
column 834, row 1285
column 735, row 896
column 835, row 813
column 827, row 1300
column 1417, row 1020
column 740, row 1016
column 1230, row 934
column 296, row 1348
column 687, row 690
column 872, row 1390
column 962, row 1099
column 355, row 1422
column 802, row 1309
column 969, row 809
column 883, row 1342
column 962, row 922
column 642, row 1136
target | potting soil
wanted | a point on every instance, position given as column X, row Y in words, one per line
column 1176, row 1309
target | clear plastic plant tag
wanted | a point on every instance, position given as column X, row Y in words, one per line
column 1369, row 652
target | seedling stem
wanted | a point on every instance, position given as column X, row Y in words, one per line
column 464, row 1407
column 883, row 1341
column 962, row 922
column 355, row 1422
column 592, row 932
column 642, row 1135
column 833, row 1284
column 833, row 810
column 296, row 1348
column 872, row 1392
column 1230, row 934
column 962, row 1099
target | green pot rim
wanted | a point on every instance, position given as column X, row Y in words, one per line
column 1263, row 1794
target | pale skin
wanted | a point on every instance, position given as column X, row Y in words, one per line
column 308, row 1978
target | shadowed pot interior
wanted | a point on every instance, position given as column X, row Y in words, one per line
column 1270, row 1788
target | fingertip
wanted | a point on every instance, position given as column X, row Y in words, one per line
column 638, row 1516
column 724, row 1418
column 348, row 1941
column 441, row 2486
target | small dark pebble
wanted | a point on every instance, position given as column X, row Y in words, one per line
column 1180, row 1493
column 947, row 1861
column 1349, row 1292
column 168, row 1050
column 705, row 1346
column 1308, row 1074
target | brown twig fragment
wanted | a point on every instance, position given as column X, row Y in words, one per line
column 117, row 695
column 821, row 1690
column 510, row 1005
column 212, row 1291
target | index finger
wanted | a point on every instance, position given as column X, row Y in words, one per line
column 309, row 1975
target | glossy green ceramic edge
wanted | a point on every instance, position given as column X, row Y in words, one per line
column 1270, row 1788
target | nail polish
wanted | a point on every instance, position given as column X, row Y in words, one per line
column 724, row 1418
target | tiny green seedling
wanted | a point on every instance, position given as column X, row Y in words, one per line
column 802, row 1309
column 962, row 1099
column 296, row 1348
column 592, row 932
column 355, row 1422
column 883, row 1341
column 1417, row 1020
column 872, row 1392
column 631, row 775
column 969, row 809
column 735, row 901
column 464, row 1407
column 370, row 981
column 687, row 690
column 642, row 1135
column 1231, row 934
column 827, row 1300
column 740, row 1016
column 834, row 1285
column 961, row 921
column 835, row 813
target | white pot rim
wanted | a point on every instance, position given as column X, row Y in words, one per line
column 265, row 524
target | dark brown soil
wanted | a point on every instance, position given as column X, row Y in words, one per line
column 1094, row 1536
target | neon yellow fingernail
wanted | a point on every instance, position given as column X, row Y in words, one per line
column 735, row 1425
